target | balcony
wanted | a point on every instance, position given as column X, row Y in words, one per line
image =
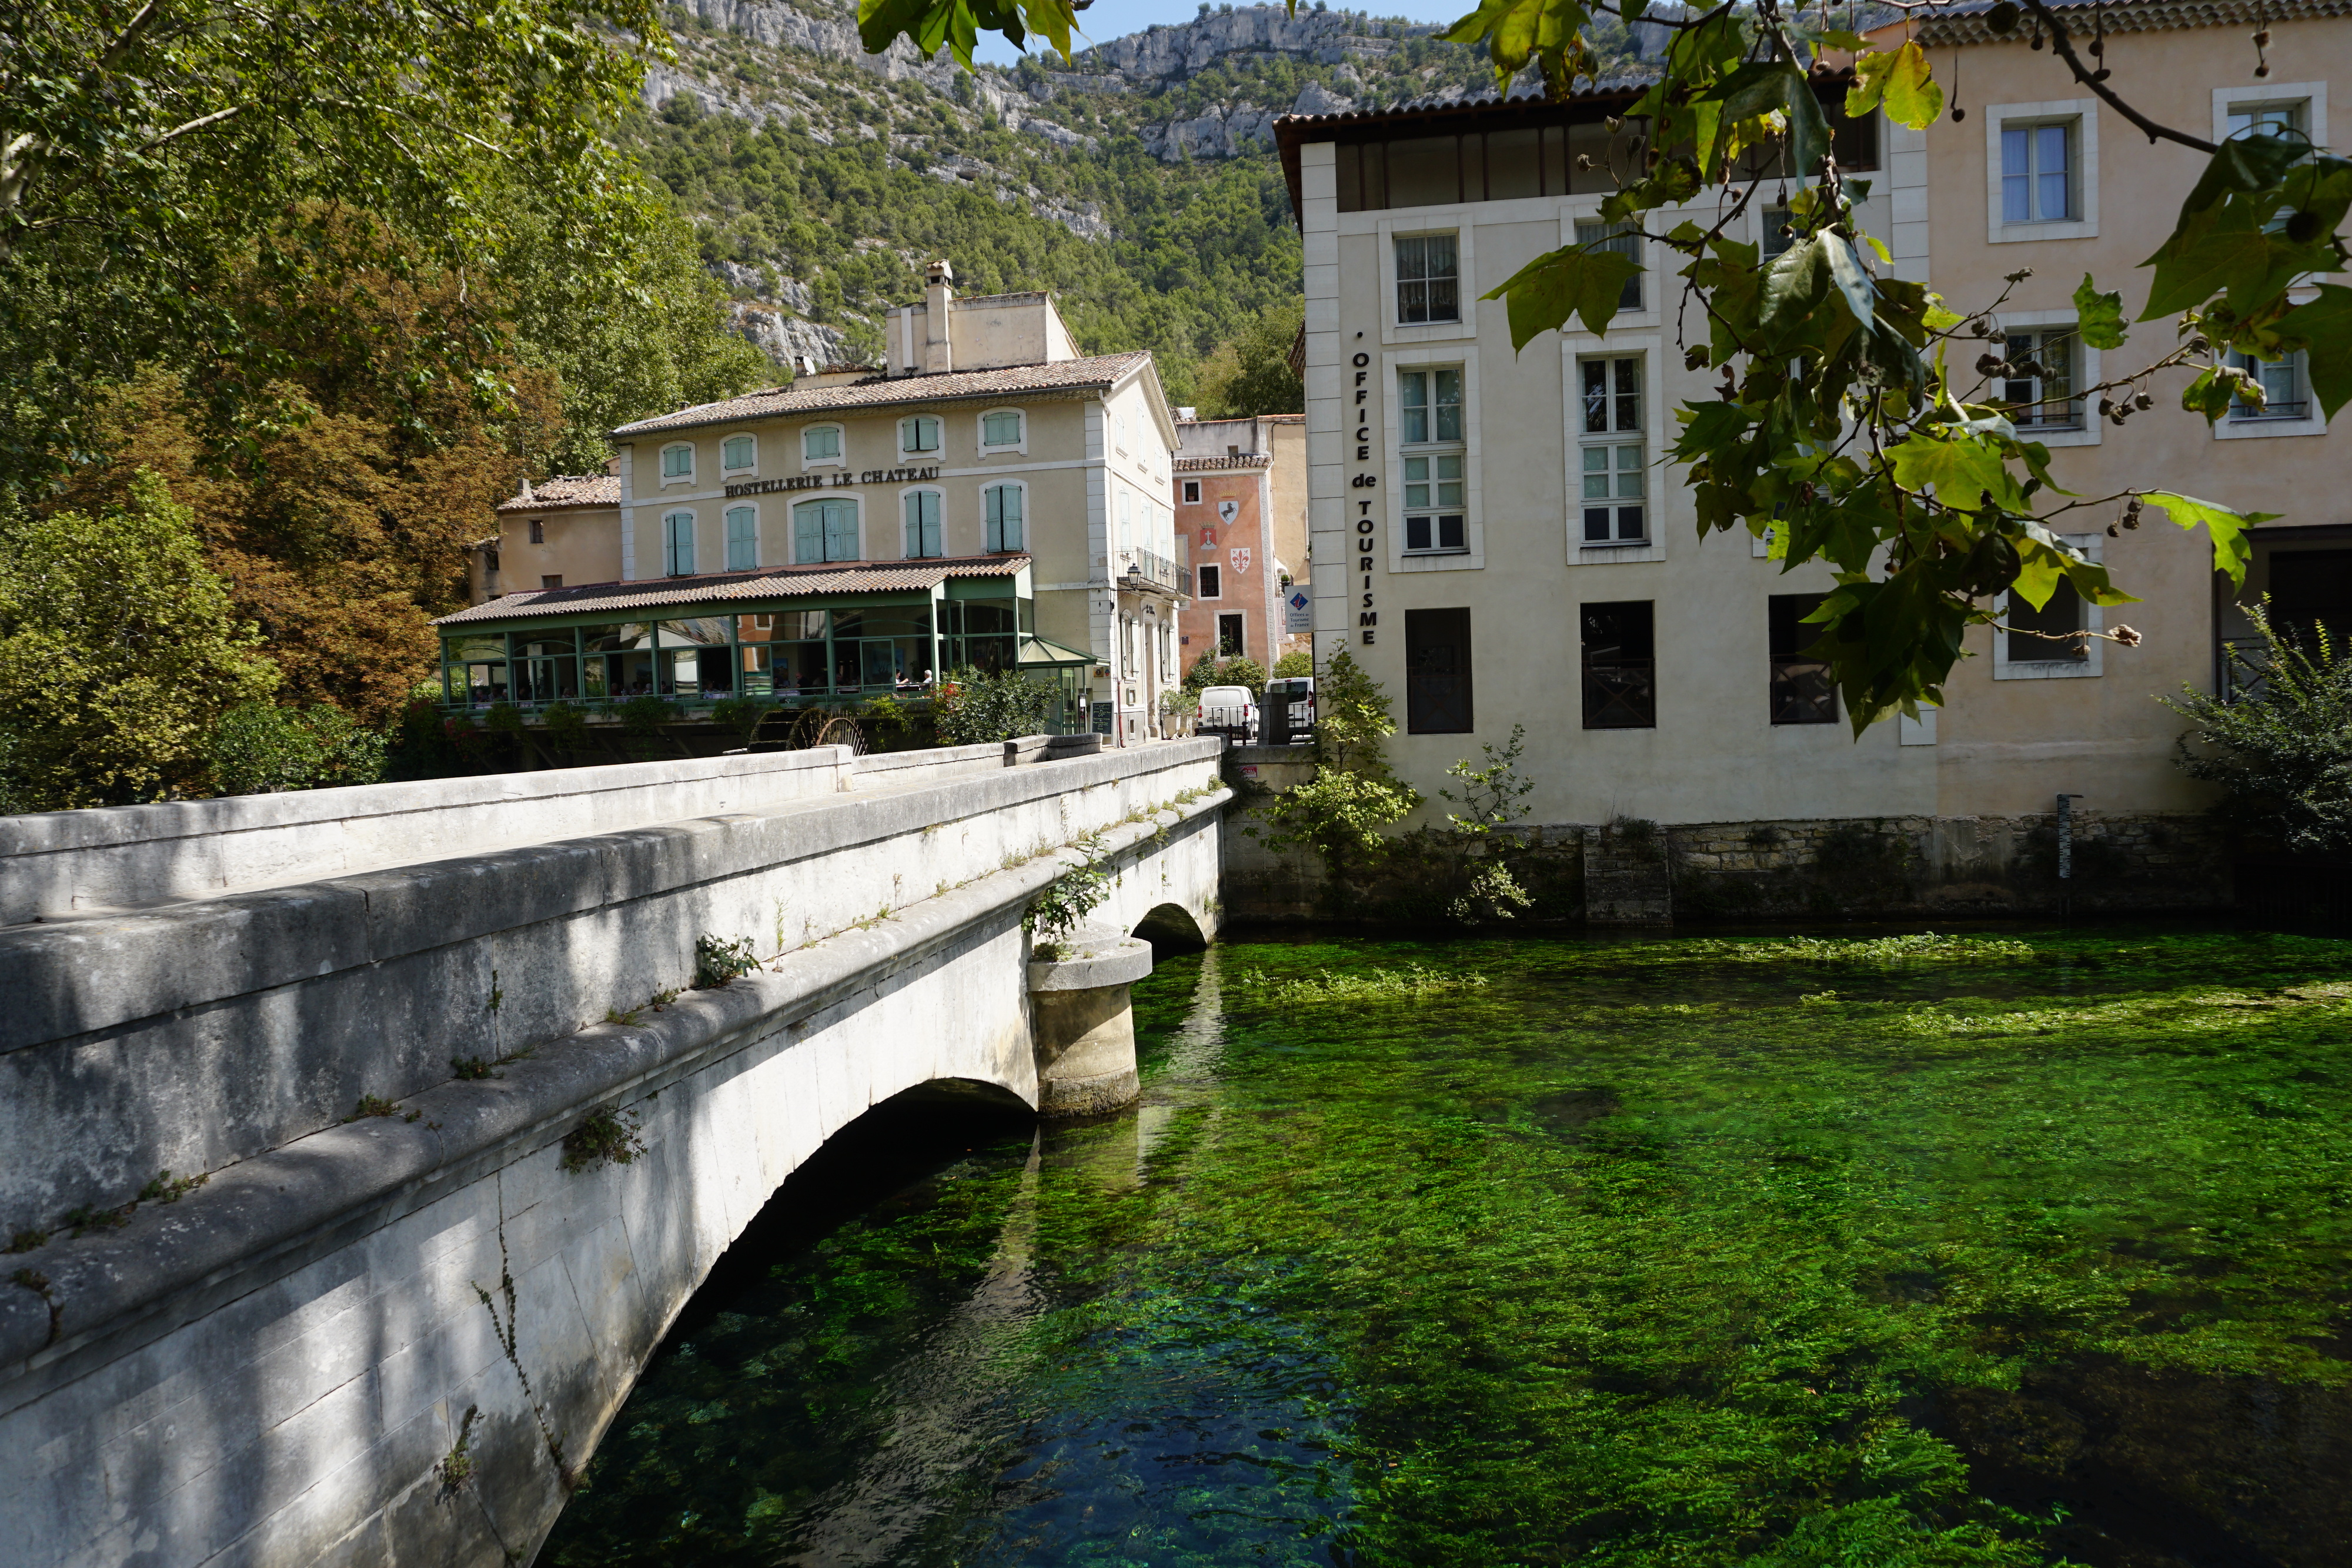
column 1141, row 569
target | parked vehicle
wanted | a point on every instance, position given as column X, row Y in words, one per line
column 1229, row 711
column 1288, row 716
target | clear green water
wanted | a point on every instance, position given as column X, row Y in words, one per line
column 1682, row 1251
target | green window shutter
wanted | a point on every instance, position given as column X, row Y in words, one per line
column 737, row 454
column 840, row 530
column 808, row 531
column 677, row 544
column 923, row 523
column 1004, row 517
column 742, row 538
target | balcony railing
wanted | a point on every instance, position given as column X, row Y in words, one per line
column 1143, row 568
column 1620, row 695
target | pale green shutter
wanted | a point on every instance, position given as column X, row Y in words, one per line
column 923, row 523
column 742, row 538
column 808, row 531
column 840, row 530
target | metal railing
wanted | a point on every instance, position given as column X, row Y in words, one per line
column 1620, row 695
column 1803, row 692
column 1157, row 570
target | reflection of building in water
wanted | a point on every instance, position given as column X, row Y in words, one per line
column 989, row 497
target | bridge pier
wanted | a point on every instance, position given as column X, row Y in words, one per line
column 1084, row 1026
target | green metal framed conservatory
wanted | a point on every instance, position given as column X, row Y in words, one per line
column 793, row 637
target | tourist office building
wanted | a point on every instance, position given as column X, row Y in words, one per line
column 1500, row 538
column 989, row 498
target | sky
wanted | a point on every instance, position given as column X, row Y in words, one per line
column 1108, row 20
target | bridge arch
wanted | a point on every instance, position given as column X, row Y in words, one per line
column 1171, row 928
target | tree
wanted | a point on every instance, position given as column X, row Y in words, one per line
column 974, row 706
column 1344, row 813
column 265, row 747
column 1843, row 429
column 118, row 653
column 2281, row 747
column 1251, row 374
column 147, row 146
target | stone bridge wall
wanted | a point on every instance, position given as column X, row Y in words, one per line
column 276, row 1367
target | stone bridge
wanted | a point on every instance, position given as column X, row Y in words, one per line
column 469, row 1137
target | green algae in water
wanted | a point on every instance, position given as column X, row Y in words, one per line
column 1651, row 1251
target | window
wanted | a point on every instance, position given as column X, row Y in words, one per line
column 1229, row 637
column 1779, row 230
column 922, row 508
column 2039, row 387
column 1611, row 455
column 677, row 544
column 919, row 433
column 742, row 538
column 1430, row 427
column 1620, row 666
column 554, row 581
column 2289, row 120
column 538, row 530
column 1191, row 492
column 1625, row 239
column 1002, row 428
column 1437, row 672
column 738, row 453
column 677, row 463
column 2050, row 634
column 824, row 530
column 2283, row 396
column 1004, row 505
column 821, row 443
column 1428, row 286
column 1126, row 520
column 1212, row 582
column 1801, row 690
column 2037, row 174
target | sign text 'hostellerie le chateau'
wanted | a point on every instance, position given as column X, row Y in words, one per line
column 831, row 481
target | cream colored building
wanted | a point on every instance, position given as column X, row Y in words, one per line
column 987, row 443
column 1500, row 541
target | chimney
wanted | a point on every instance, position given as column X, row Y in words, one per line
column 527, row 492
column 938, row 295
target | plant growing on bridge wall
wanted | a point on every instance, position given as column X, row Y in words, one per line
column 608, row 1137
column 1064, row 903
column 717, row 963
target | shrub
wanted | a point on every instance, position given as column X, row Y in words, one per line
column 975, row 706
column 2281, row 747
column 263, row 747
column 1294, row 664
column 566, row 727
column 605, row 1138
column 716, row 963
column 741, row 714
column 645, row 715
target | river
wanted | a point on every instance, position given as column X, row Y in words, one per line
column 1999, row 1249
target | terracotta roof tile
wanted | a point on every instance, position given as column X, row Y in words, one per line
column 881, row 392
column 1230, row 460
column 568, row 490
column 1963, row 21
column 773, row 583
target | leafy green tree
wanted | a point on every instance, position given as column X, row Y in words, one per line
column 974, row 706
column 1861, row 420
column 2280, row 748
column 1292, row 664
column 119, row 652
column 1252, row 373
column 1345, row 812
column 146, row 146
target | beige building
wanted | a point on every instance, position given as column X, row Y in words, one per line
column 1502, row 541
column 1241, row 510
column 988, row 448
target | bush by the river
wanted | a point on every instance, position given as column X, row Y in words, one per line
column 975, row 706
column 2280, row 746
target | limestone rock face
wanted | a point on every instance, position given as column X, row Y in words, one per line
column 1325, row 38
column 1222, row 133
column 784, row 338
column 1316, row 98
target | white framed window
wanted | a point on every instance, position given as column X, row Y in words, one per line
column 1191, row 492
column 2039, row 387
column 1428, row 280
column 1611, row 451
column 677, row 463
column 742, row 537
column 2048, row 643
column 919, row 435
column 2042, row 171
column 1005, row 508
column 824, row 530
column 820, row 444
column 1126, row 519
column 1625, row 239
column 1434, row 458
column 677, row 545
column 1775, row 230
column 2296, row 109
column 1210, row 581
column 2286, row 393
column 1004, row 430
column 739, row 453
column 920, row 509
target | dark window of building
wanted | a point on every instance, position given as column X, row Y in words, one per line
column 1191, row 492
column 538, row 530
column 1621, row 688
column 1855, row 142
column 1801, row 690
column 1211, row 585
column 1437, row 672
column 554, row 581
column 1229, row 636
column 2047, row 635
column 490, row 561
column 2309, row 589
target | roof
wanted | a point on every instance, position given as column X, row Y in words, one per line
column 567, row 490
column 734, row 587
column 1230, row 460
column 1054, row 376
column 1962, row 22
